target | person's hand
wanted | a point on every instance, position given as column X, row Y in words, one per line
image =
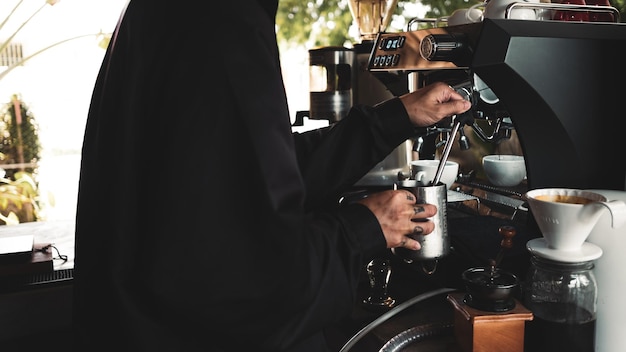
column 399, row 216
column 432, row 103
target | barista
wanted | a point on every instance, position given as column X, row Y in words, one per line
column 202, row 223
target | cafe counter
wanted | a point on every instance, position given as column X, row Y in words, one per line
column 36, row 292
column 422, row 315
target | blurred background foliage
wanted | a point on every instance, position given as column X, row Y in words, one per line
column 20, row 148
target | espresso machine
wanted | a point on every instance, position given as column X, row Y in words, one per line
column 552, row 82
column 555, row 80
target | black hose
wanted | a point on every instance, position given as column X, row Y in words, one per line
column 369, row 327
column 415, row 334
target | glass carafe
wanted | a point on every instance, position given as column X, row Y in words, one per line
column 562, row 297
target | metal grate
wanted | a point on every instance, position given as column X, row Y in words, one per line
column 11, row 55
column 56, row 276
column 27, row 282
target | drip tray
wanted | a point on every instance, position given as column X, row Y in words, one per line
column 455, row 196
column 492, row 201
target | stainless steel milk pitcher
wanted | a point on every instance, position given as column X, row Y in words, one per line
column 436, row 244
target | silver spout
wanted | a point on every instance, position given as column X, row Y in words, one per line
column 418, row 144
column 501, row 131
column 463, row 140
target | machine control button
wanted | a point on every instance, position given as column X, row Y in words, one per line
column 401, row 41
column 396, row 59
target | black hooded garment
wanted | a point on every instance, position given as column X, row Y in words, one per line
column 203, row 223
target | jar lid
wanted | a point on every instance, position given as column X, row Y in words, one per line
column 588, row 251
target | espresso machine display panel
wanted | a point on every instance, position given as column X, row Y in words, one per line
column 556, row 81
column 401, row 51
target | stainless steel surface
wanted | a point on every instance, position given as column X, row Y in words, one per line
column 492, row 201
column 499, row 190
column 513, row 203
column 330, row 82
column 455, row 196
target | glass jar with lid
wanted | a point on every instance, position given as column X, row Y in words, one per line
column 562, row 296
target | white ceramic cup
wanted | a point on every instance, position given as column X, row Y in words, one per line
column 424, row 171
column 462, row 16
column 498, row 9
column 567, row 216
column 504, row 170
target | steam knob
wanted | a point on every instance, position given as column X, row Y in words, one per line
column 441, row 47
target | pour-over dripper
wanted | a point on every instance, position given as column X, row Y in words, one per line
column 567, row 216
column 372, row 16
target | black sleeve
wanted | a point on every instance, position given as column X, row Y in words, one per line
column 334, row 158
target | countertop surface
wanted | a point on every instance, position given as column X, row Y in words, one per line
column 60, row 234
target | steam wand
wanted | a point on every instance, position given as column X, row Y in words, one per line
column 446, row 152
column 465, row 118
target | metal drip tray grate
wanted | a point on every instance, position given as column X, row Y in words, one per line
column 55, row 276
column 37, row 280
column 455, row 196
column 494, row 201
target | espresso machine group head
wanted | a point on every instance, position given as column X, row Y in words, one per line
column 555, row 80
